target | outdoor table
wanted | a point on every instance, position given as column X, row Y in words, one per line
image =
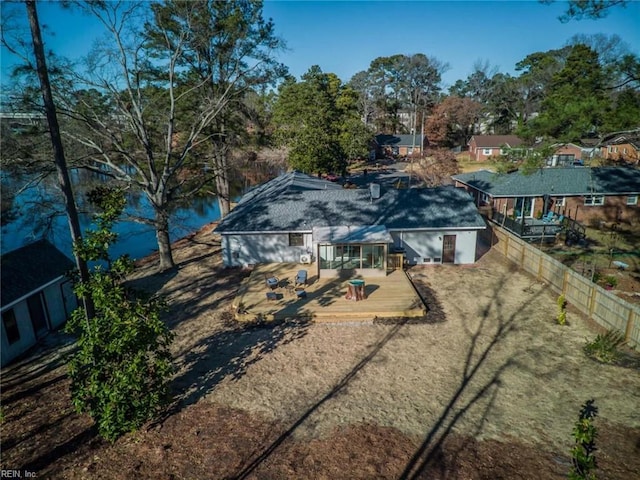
column 355, row 290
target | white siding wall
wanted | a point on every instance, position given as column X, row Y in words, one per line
column 27, row 335
column 56, row 308
column 242, row 250
column 420, row 245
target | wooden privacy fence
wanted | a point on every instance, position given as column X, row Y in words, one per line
column 602, row 306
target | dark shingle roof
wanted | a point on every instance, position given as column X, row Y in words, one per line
column 416, row 208
column 29, row 268
column 495, row 141
column 556, row 181
column 399, row 140
column 288, row 182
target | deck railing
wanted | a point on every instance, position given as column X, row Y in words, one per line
column 528, row 230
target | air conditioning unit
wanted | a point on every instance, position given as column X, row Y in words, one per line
column 305, row 258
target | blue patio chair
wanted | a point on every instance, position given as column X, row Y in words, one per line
column 548, row 217
column 301, row 277
column 272, row 282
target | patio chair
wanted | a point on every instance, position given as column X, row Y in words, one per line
column 272, row 282
column 272, row 296
column 301, row 278
column 548, row 217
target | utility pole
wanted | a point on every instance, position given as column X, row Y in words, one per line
column 413, row 148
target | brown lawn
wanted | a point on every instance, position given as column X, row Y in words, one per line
column 486, row 386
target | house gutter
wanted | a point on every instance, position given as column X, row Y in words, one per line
column 32, row 292
column 263, row 232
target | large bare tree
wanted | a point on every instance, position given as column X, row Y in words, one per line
column 160, row 96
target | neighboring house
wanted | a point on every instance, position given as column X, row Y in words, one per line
column 37, row 296
column 623, row 148
column 484, row 147
column 298, row 218
column 400, row 145
column 583, row 194
column 569, row 154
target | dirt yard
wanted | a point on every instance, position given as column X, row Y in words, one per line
column 486, row 386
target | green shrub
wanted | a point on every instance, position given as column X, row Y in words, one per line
column 582, row 454
column 605, row 348
column 611, row 280
column 121, row 370
column 562, row 310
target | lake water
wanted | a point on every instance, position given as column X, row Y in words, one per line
column 136, row 239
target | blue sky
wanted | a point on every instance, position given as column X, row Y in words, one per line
column 343, row 37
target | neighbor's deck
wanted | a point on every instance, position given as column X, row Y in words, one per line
column 390, row 296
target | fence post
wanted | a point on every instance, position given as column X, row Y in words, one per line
column 592, row 300
column 540, row 258
column 627, row 331
column 565, row 279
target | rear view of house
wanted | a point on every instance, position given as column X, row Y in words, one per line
column 297, row 218
column 400, row 145
column 37, row 296
column 484, row 147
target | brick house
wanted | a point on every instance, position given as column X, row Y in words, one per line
column 400, row 145
column 584, row 194
column 623, row 148
column 569, row 154
column 484, row 147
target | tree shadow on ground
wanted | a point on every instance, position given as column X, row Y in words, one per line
column 428, row 457
column 255, row 460
column 228, row 354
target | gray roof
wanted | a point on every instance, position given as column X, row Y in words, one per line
column 556, row 181
column 399, row 140
column 29, row 268
column 302, row 210
column 288, row 182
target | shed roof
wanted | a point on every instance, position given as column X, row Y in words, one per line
column 303, row 210
column 556, row 181
column 29, row 268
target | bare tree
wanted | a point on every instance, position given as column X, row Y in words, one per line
column 147, row 116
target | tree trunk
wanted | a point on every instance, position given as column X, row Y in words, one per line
column 221, row 166
column 58, row 151
column 164, row 244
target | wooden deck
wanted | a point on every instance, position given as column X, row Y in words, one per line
column 390, row 296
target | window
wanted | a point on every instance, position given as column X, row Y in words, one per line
column 296, row 239
column 559, row 201
column 632, row 200
column 348, row 257
column 594, row 200
column 11, row 326
column 486, row 151
column 566, row 159
column 484, row 199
